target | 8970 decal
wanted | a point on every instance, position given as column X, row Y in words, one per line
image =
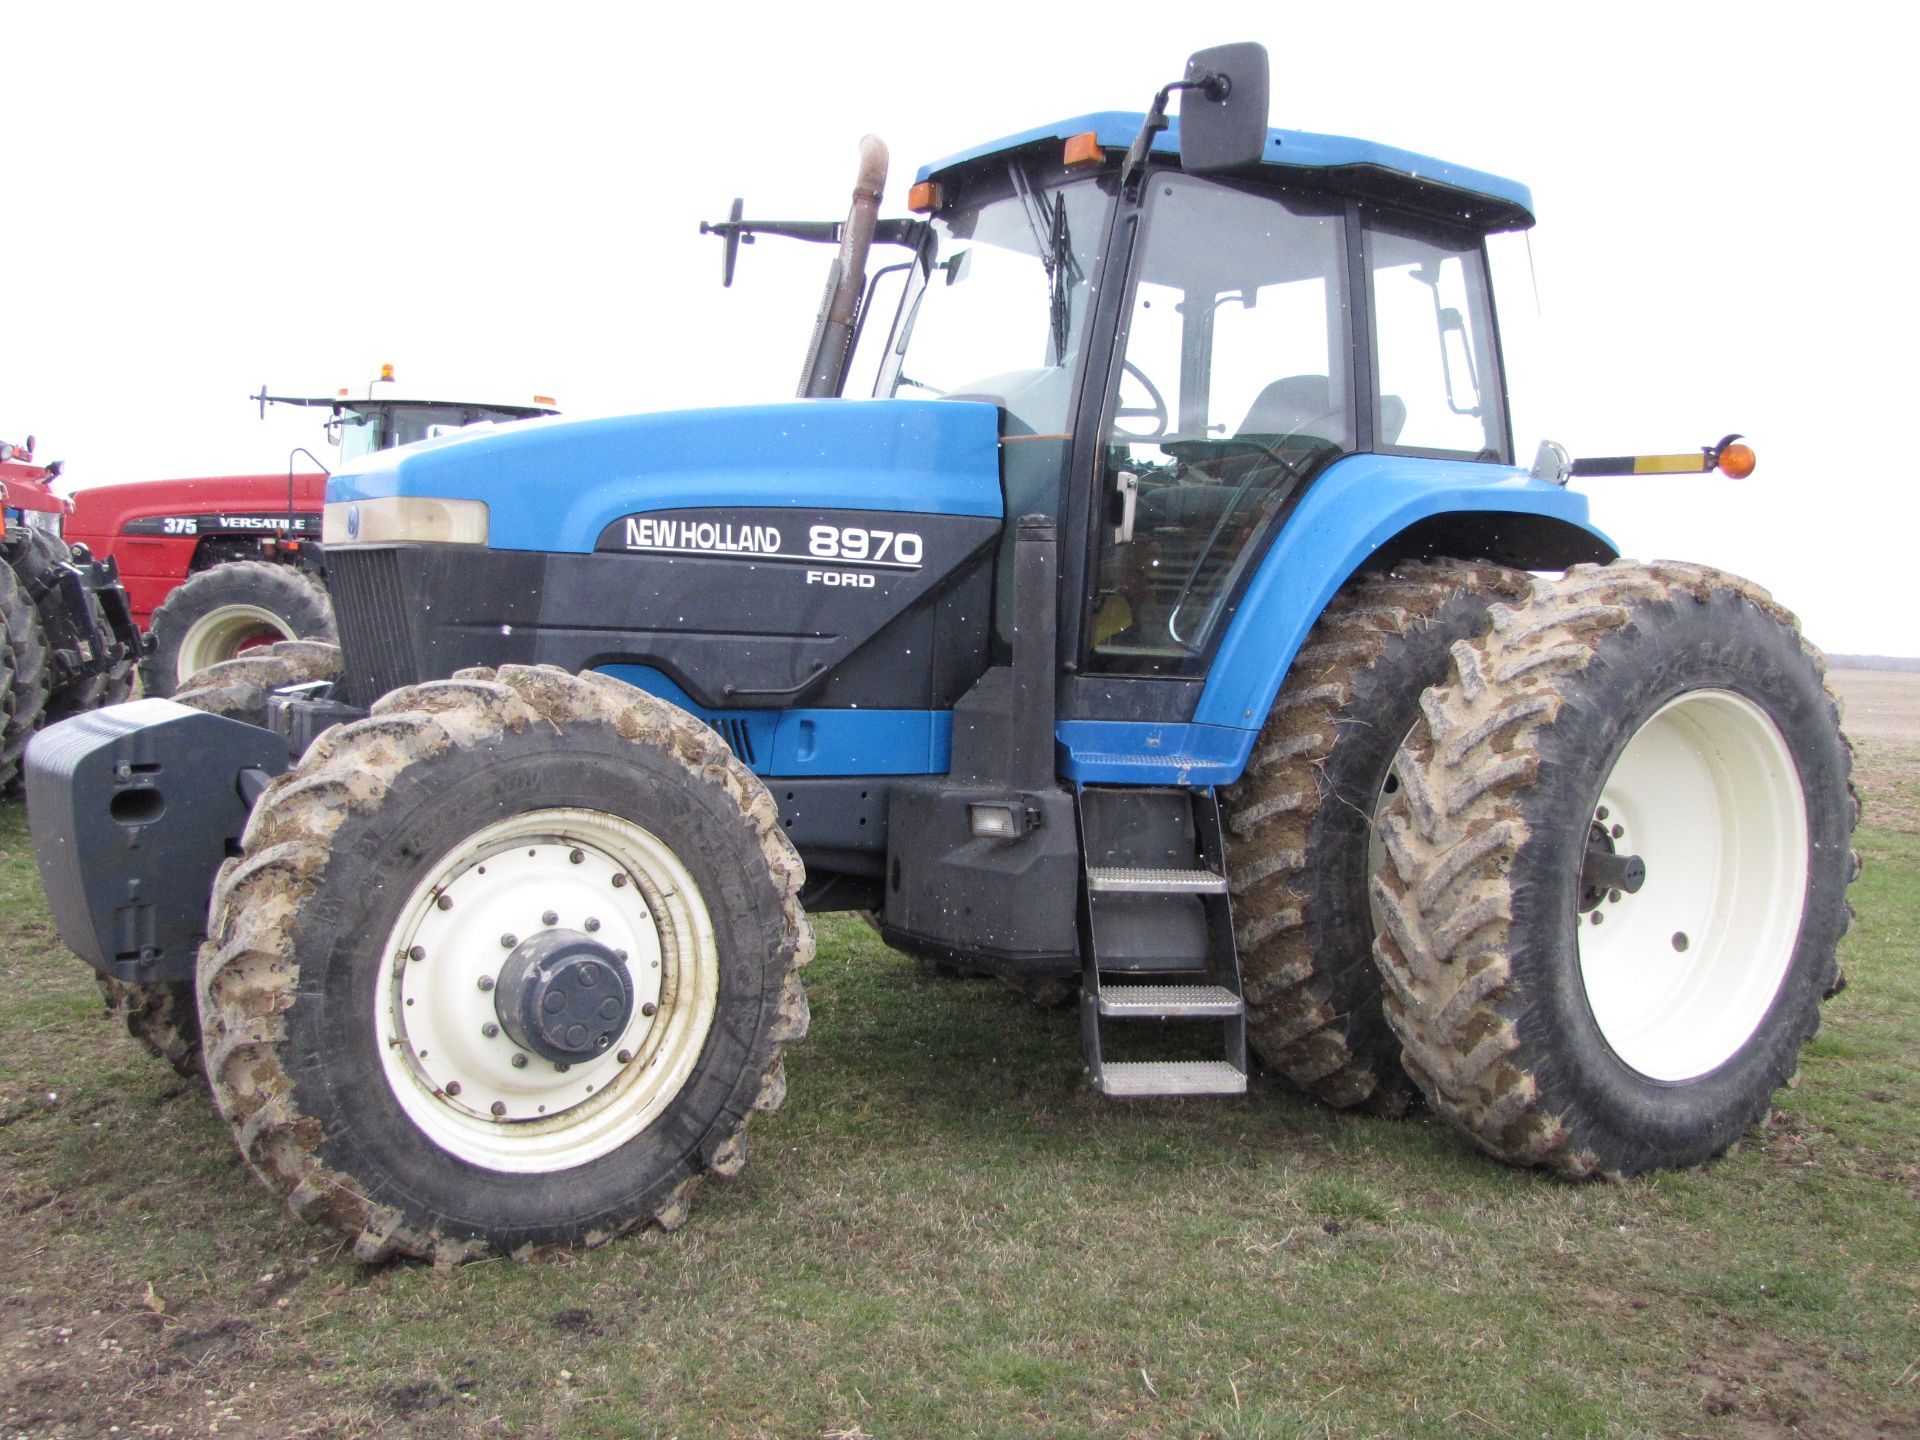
column 877, row 547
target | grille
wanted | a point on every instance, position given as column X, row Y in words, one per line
column 376, row 622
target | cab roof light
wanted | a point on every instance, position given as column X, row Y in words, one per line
column 386, row 372
column 546, row 400
column 1084, row 149
column 924, row 198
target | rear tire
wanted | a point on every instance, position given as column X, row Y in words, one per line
column 23, row 697
column 229, row 610
column 597, row 815
column 1300, row 823
column 1666, row 712
column 37, row 559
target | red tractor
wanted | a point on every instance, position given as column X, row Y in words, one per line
column 67, row 639
column 218, row 565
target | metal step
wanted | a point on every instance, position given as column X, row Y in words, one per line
column 1171, row 1077
column 1126, row 880
column 1169, row 1002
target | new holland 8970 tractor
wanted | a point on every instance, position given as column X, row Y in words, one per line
column 1175, row 618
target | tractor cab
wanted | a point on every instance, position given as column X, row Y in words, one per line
column 385, row 414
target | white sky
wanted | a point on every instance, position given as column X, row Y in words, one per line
column 202, row 198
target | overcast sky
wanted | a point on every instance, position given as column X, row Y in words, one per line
column 203, row 198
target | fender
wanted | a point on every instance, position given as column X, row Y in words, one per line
column 932, row 457
column 1361, row 506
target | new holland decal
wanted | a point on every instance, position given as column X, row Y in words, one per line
column 844, row 544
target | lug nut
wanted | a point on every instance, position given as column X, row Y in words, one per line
column 562, row 1066
column 552, row 917
column 418, row 952
column 1596, row 916
column 1601, row 813
column 625, row 1057
column 486, row 982
column 1613, row 897
column 453, row 1087
column 619, row 881
column 574, row 857
column 445, row 902
column 489, row 1029
column 592, row 924
column 498, row 1108
column 519, row 1061
column 509, row 940
column 1618, row 831
column 649, row 1008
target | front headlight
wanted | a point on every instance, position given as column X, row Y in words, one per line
column 47, row 520
column 404, row 519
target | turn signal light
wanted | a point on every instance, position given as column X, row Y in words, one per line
column 1737, row 461
column 924, row 198
column 1084, row 149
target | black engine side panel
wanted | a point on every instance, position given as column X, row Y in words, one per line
column 732, row 605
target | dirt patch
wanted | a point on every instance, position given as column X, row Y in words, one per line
column 1883, row 721
column 1757, row 1386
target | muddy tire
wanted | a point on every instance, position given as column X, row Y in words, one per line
column 233, row 608
column 1300, row 832
column 1665, row 714
column 425, row 854
column 240, row 688
column 23, row 696
column 37, row 560
column 160, row 1016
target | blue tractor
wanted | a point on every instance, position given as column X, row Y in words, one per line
column 1175, row 621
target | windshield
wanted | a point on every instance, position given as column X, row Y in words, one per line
column 381, row 427
column 1001, row 300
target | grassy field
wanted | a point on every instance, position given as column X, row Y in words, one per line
column 943, row 1233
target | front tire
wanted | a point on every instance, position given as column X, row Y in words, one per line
column 360, row 993
column 1558, row 1008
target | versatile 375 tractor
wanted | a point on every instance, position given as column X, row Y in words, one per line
column 1164, row 621
column 220, row 564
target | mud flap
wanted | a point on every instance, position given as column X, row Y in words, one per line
column 133, row 808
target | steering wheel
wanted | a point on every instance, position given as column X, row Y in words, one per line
column 1157, row 412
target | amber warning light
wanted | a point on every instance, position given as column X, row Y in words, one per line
column 1730, row 458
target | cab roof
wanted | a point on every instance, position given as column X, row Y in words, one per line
column 1359, row 167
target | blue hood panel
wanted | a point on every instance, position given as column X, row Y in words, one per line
column 554, row 485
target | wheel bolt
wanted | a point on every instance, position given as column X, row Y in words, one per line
column 453, row 1087
column 649, row 1008
column 489, row 1029
column 498, row 1108
column 418, row 952
column 509, row 940
column 1601, row 813
column 519, row 1061
column 1613, row 897
column 552, row 917
column 445, row 902
column 486, row 982
column 1596, row 917
column 1618, row 831
column 592, row 924
column 625, row 1057
column 576, row 856
column 562, row 1066
column 619, row 882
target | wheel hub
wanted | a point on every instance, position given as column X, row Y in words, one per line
column 564, row 996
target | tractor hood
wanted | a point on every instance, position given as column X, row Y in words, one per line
column 554, row 485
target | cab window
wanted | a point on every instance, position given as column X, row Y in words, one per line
column 1439, row 390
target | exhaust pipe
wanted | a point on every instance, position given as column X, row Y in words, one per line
column 827, row 356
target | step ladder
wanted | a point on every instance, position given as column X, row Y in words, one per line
column 1156, row 936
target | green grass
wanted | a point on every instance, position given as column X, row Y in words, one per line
column 945, row 1233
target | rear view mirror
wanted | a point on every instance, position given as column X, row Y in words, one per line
column 1223, row 109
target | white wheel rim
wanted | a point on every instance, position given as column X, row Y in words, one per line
column 458, row 1083
column 222, row 634
column 1680, row 975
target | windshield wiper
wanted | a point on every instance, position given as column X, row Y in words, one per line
column 1053, row 244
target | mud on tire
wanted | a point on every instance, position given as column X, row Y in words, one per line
column 359, row 884
column 1665, row 713
column 1300, row 823
column 230, row 608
